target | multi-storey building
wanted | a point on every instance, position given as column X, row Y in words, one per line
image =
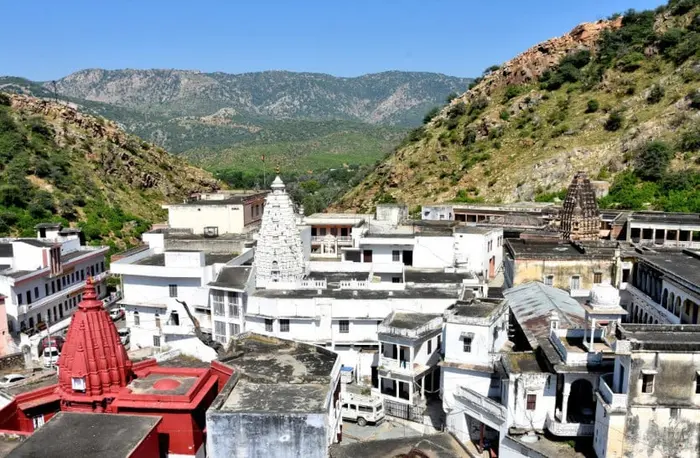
column 649, row 405
column 43, row 278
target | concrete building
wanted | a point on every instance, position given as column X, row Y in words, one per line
column 663, row 288
column 441, row 445
column 153, row 281
column 680, row 230
column 283, row 401
column 330, row 232
column 649, row 405
column 42, row 279
column 224, row 212
column 479, row 249
column 572, row 266
column 409, row 352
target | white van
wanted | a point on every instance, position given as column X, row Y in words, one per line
column 51, row 355
column 362, row 409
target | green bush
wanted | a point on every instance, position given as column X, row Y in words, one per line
column 592, row 106
column 4, row 99
column 636, row 33
column 504, row 115
column 614, row 122
column 653, row 160
column 694, row 97
column 512, row 91
column 630, row 62
column 431, row 114
column 690, row 140
column 469, row 137
column 656, row 93
column 450, row 97
column 680, row 7
column 491, row 69
column 457, row 110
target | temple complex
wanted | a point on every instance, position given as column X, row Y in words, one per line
column 580, row 219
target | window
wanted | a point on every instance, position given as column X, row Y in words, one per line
column 38, row 421
column 36, row 292
column 29, row 297
column 430, row 346
column 46, row 288
column 697, row 383
column 217, row 299
column 234, row 329
column 344, row 326
column 675, row 413
column 396, row 256
column 467, row 345
column 82, row 274
column 284, row 325
column 549, row 280
column 575, row 282
column 19, row 299
column 439, row 344
column 102, row 266
column 174, row 319
column 365, row 409
column 78, row 383
column 156, row 341
column 219, row 328
column 531, row 401
column 157, row 321
column 233, row 311
column 647, row 383
column 268, row 325
column 598, row 277
column 53, row 287
column 173, row 290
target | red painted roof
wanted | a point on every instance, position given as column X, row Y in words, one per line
column 92, row 352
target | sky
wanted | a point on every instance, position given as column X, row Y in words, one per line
column 48, row 39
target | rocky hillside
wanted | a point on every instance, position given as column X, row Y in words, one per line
column 617, row 98
column 57, row 164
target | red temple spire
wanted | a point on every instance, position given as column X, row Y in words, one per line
column 94, row 365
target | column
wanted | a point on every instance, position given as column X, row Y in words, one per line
column 422, row 388
column 653, row 235
column 396, row 388
column 565, row 401
column 591, row 348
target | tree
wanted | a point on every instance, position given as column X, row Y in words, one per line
column 592, row 106
column 656, row 93
column 653, row 160
column 614, row 121
column 450, row 97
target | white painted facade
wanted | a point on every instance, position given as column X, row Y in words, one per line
column 479, row 249
column 44, row 277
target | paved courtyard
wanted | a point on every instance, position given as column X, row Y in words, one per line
column 385, row 430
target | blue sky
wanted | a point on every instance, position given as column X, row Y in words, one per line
column 45, row 39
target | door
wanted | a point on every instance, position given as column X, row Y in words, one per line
column 407, row 257
column 375, row 377
column 492, row 267
column 367, row 255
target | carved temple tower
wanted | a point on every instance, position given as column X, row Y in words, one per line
column 580, row 219
column 279, row 257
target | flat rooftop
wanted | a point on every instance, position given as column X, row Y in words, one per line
column 163, row 384
column 692, row 219
column 661, row 337
column 408, row 293
column 406, row 320
column 436, row 276
column 475, row 229
column 475, row 308
column 522, row 362
column 277, row 375
column 538, row 249
column 71, row 435
column 684, row 264
column 442, row 445
column 209, row 259
column 228, row 198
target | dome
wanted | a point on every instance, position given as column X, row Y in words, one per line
column 604, row 295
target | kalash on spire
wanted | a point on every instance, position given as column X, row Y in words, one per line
column 279, row 257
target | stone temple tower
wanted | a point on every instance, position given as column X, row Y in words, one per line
column 279, row 257
column 580, row 219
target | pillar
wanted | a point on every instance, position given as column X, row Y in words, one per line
column 422, row 388
column 653, row 235
column 565, row 401
column 396, row 388
column 592, row 338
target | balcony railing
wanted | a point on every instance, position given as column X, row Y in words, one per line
column 60, row 296
column 482, row 403
column 614, row 400
column 405, row 367
column 568, row 429
column 341, row 239
column 432, row 325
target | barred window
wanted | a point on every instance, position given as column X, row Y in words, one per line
column 219, row 328
column 234, row 329
column 344, row 326
column 268, row 325
column 284, row 325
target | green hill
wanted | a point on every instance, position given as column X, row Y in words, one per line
column 57, row 164
column 618, row 99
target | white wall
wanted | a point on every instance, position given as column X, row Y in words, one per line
column 228, row 218
column 530, row 383
column 434, row 252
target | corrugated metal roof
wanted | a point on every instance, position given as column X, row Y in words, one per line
column 532, row 304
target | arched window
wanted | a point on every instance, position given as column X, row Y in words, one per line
column 671, row 301
column 157, row 320
column 664, row 299
column 137, row 319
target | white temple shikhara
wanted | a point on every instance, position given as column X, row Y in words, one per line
column 279, row 257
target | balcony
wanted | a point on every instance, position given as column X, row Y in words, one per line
column 482, row 408
column 342, row 240
column 560, row 429
column 616, row 401
column 394, row 365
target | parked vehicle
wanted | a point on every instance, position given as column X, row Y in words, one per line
column 124, row 335
column 116, row 314
column 362, row 409
column 51, row 355
column 11, row 379
column 54, row 341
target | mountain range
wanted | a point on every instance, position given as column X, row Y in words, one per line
column 223, row 120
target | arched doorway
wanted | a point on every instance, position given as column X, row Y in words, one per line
column 581, row 405
column 677, row 308
column 671, row 301
column 664, row 299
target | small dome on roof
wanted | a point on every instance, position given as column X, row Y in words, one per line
column 604, row 295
